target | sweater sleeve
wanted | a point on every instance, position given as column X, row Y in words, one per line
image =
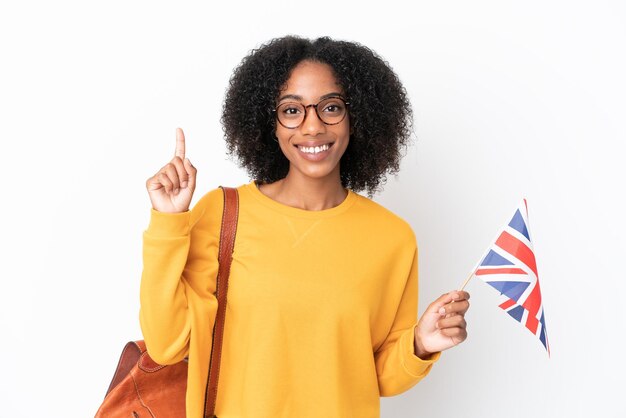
column 397, row 366
column 178, row 279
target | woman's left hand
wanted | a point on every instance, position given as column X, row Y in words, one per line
column 442, row 325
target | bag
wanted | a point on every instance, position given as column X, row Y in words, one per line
column 140, row 387
column 143, row 388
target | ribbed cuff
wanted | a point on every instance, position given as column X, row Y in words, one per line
column 168, row 224
column 414, row 365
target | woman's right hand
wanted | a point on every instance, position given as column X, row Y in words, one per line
column 171, row 188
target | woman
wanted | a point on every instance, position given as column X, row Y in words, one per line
column 322, row 301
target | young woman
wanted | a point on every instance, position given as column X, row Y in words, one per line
column 321, row 317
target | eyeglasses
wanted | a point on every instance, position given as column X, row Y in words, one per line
column 331, row 111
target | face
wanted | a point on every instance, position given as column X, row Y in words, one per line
column 309, row 83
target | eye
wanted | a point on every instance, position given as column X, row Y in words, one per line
column 290, row 109
column 333, row 107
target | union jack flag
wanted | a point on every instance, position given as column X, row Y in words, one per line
column 510, row 267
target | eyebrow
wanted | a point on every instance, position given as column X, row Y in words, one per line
column 299, row 98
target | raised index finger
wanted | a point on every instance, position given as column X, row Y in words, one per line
column 180, row 144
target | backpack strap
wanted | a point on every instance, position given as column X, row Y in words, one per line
column 227, row 244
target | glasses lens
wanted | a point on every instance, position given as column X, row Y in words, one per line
column 331, row 111
column 290, row 115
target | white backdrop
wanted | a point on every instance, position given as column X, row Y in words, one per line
column 512, row 99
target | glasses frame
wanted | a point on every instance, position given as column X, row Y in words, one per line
column 317, row 113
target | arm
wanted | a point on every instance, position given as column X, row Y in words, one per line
column 397, row 366
column 178, row 278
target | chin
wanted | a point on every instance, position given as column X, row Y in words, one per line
column 314, row 173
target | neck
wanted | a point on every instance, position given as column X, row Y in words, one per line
column 307, row 193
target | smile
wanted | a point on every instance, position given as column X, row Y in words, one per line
column 314, row 150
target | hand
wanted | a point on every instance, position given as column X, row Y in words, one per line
column 443, row 324
column 171, row 188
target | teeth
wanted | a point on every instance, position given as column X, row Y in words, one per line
column 314, row 150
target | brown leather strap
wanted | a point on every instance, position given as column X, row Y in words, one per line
column 227, row 244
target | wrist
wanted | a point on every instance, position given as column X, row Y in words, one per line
column 418, row 348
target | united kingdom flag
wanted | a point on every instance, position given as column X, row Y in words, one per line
column 510, row 267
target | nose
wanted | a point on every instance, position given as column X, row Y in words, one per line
column 312, row 124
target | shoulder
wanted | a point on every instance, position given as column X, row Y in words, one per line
column 210, row 202
column 211, row 205
column 385, row 220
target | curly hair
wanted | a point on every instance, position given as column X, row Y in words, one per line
column 380, row 113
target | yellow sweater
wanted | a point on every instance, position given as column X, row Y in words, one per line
column 321, row 307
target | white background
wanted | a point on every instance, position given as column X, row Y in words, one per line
column 512, row 99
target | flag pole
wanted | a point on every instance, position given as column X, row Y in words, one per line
column 467, row 280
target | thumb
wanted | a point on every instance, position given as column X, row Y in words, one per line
column 442, row 301
column 191, row 171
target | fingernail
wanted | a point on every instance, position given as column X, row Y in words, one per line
column 176, row 191
column 183, row 184
column 455, row 296
column 442, row 311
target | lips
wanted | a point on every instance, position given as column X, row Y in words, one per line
column 313, row 147
column 306, row 150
